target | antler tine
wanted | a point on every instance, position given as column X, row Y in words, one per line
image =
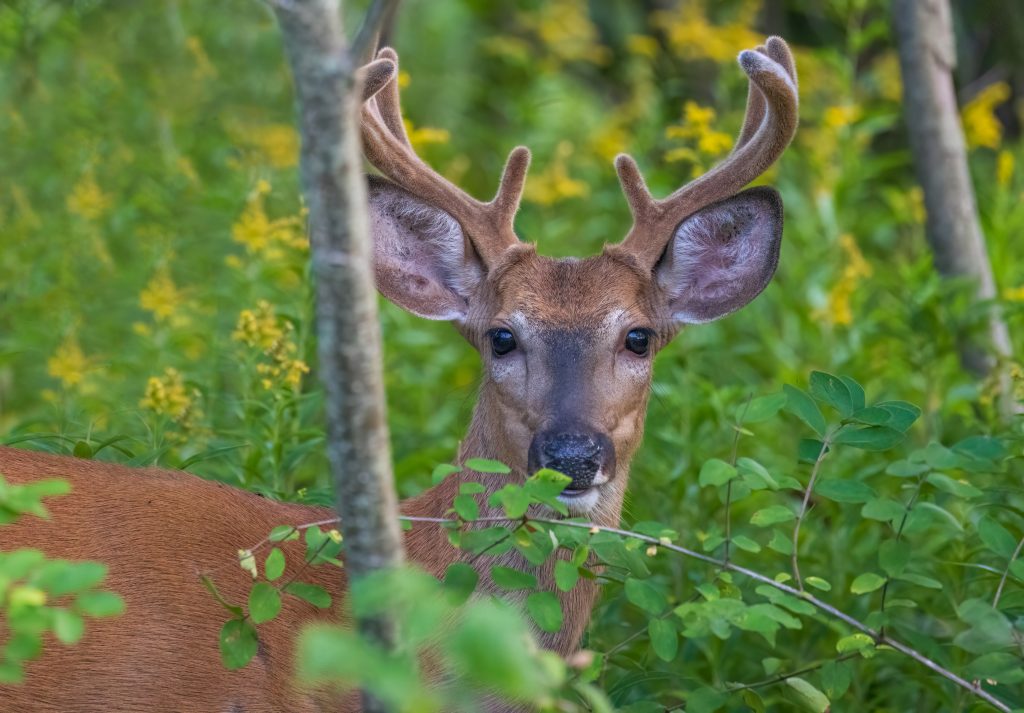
column 488, row 226
column 773, row 111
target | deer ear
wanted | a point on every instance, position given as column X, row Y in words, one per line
column 422, row 261
column 721, row 257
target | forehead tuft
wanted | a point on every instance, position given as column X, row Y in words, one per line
column 572, row 291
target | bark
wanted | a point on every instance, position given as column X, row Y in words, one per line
column 347, row 325
column 924, row 36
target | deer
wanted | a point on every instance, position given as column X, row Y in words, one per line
column 567, row 347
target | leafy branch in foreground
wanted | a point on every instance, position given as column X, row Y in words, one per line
column 440, row 618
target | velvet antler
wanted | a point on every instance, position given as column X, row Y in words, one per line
column 487, row 225
column 768, row 127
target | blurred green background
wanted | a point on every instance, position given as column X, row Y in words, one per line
column 154, row 300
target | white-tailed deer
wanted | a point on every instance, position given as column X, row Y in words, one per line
column 567, row 347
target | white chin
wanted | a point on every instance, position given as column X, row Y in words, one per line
column 581, row 503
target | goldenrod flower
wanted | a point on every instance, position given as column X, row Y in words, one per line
column 691, row 36
column 258, row 327
column 566, row 30
column 87, row 200
column 69, row 363
column 270, row 239
column 838, row 117
column 643, row 45
column 420, row 137
column 168, row 395
column 161, row 296
column 697, row 130
column 554, row 184
column 839, row 310
column 1004, row 168
column 981, row 126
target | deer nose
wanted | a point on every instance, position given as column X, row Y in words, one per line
column 579, row 455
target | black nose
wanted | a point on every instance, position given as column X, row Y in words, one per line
column 579, row 455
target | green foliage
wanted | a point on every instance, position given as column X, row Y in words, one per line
column 167, row 210
column 38, row 595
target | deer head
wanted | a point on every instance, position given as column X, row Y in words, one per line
column 567, row 345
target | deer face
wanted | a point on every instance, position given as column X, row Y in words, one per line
column 568, row 344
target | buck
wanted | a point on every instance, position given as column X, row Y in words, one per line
column 567, row 348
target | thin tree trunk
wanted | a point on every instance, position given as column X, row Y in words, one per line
column 924, row 36
column 346, row 297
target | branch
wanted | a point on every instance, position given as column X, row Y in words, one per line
column 380, row 14
column 1006, row 573
column 348, row 330
column 803, row 511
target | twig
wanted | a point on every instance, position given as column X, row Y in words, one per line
column 365, row 42
column 791, row 674
column 803, row 511
column 1006, row 573
column 728, row 486
column 899, row 533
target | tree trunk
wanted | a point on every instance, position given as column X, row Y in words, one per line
column 346, row 297
column 924, row 36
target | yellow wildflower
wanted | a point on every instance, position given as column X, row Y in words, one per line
column 270, row 239
column 696, row 129
column 420, row 137
column 87, row 199
column 276, row 144
column 404, row 79
column 692, row 36
column 566, row 30
column 69, row 363
column 554, row 183
column 168, row 395
column 611, row 140
column 643, row 45
column 887, row 76
column 981, row 126
column 161, row 296
column 1014, row 294
column 1004, row 168
column 838, row 117
column 839, row 310
column 204, row 67
column 258, row 327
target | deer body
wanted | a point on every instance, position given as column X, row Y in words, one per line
column 567, row 348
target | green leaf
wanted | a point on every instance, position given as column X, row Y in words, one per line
column 281, row 533
column 645, row 595
column 809, row 450
column 746, row 544
column 871, row 416
column 761, row 409
column 716, row 472
column 486, row 465
column 772, row 515
column 756, row 475
column 59, row 577
column 82, row 450
column 854, row 642
column 508, row 578
column 705, row 700
column 883, row 509
column 514, row 500
column 996, row 537
column 99, row 604
column 906, row 469
column 833, row 391
column 466, row 507
column 920, row 580
column 264, row 602
column 471, row 489
column 844, row 491
column 781, row 542
column 818, row 583
column 869, row 438
column 442, row 471
column 545, row 610
column 836, row 678
column 959, row 488
column 274, row 566
column 566, row 574
column 893, row 556
column 68, row 627
column 212, row 589
column 856, row 392
column 901, row 414
column 664, row 638
column 867, row 582
column 312, row 593
column 811, row 698
column 238, row 643
column 460, row 579
column 801, row 405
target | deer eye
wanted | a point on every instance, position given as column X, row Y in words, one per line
column 502, row 341
column 638, row 341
